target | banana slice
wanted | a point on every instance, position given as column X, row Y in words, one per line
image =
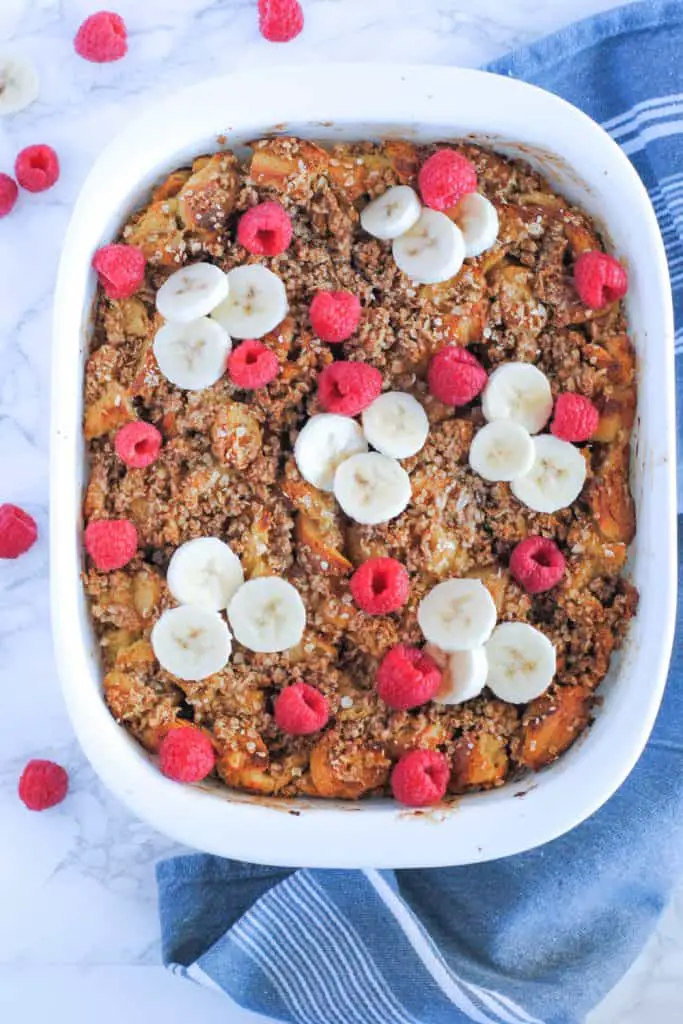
column 204, row 572
column 190, row 642
column 502, row 451
column 267, row 615
column 18, row 82
column 477, row 218
column 457, row 615
column 256, row 302
column 521, row 661
column 518, row 392
column 391, row 214
column 432, row 251
column 372, row 488
column 556, row 477
column 325, row 441
column 464, row 673
column 192, row 356
column 396, row 424
column 192, row 292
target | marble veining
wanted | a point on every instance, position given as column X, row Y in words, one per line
column 78, row 928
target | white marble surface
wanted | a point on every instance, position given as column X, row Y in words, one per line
column 78, row 925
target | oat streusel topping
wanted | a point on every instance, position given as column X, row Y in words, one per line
column 226, row 470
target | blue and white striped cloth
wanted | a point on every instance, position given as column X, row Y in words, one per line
column 533, row 939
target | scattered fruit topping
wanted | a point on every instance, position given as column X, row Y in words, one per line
column 348, row 388
column 18, row 83
column 537, row 564
column 396, row 424
column 267, row 615
column 444, row 178
column 420, row 778
column 256, row 302
column 204, row 571
column 335, row 315
column 521, row 661
column 252, row 365
column 501, row 450
column 192, row 292
column 37, row 168
column 463, row 673
column 102, row 38
column 432, row 250
column 457, row 615
column 407, row 678
column 575, row 418
column 455, row 376
column 42, row 784
column 372, row 488
column 300, row 709
column 191, row 642
column 186, row 755
column 111, row 543
column 192, row 356
column 138, row 444
column 280, row 20
column 477, row 218
column 120, row 269
column 599, row 279
column 392, row 214
column 265, row 230
column 380, row 586
column 323, row 443
column 519, row 392
column 9, row 193
column 556, row 477
column 18, row 531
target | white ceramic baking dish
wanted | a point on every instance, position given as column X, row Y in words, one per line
column 356, row 102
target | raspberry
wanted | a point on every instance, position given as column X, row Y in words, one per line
column 537, row 564
column 445, row 178
column 8, row 194
column 265, row 230
column 575, row 418
column 280, row 20
column 102, row 38
column 420, row 778
column 186, row 755
column 301, row 709
column 138, row 444
column 111, row 543
column 37, row 168
column 252, row 365
column 18, row 531
column 348, row 388
column 380, row 586
column 455, row 376
column 120, row 269
column 599, row 279
column 335, row 315
column 42, row 784
column 407, row 677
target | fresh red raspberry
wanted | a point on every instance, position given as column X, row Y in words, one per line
column 380, row 586
column 120, row 269
column 444, row 178
column 335, row 315
column 265, row 230
column 300, row 710
column 455, row 376
column 42, row 784
column 111, row 543
column 102, row 38
column 186, row 755
column 348, row 388
column 138, row 444
column 420, row 778
column 280, row 20
column 18, row 531
column 252, row 365
column 575, row 418
column 37, row 168
column 407, row 677
column 537, row 564
column 599, row 279
column 8, row 194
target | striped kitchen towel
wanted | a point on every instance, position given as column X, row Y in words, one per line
column 540, row 937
